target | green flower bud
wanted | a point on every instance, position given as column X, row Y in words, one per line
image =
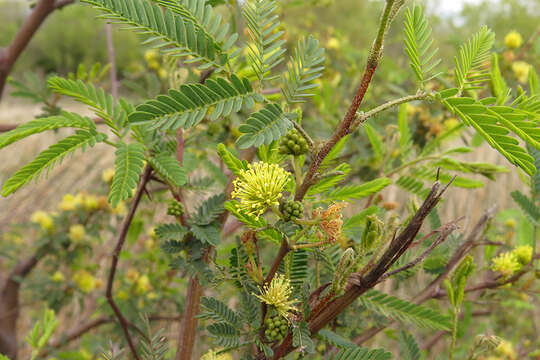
column 293, row 144
column 372, row 233
column 175, row 209
column 291, row 210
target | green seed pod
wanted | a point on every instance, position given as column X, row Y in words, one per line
column 291, row 210
column 293, row 144
column 175, row 209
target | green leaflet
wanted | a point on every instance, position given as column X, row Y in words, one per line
column 169, row 168
column 36, row 126
column 357, row 191
column 216, row 310
column 527, row 206
column 233, row 163
column 128, row 166
column 472, row 55
column 187, row 106
column 210, row 210
column 264, row 127
column 359, row 353
column 50, row 157
column 306, row 66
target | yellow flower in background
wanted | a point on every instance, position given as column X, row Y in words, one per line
column 163, row 74
column 122, row 295
column 44, row 220
column 85, row 281
column 523, row 254
column 58, row 277
column 506, row 264
column 154, row 65
column 150, row 55
column 132, row 275
column 333, row 43
column 76, row 233
column 259, row 187
column 506, row 348
column 107, row 175
column 142, row 285
column 99, row 283
column 152, row 232
column 68, row 203
column 513, row 40
column 511, row 223
column 450, row 123
column 120, row 209
column 278, row 295
column 214, row 355
column 521, row 71
column 90, row 202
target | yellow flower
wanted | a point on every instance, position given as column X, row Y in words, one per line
column 132, row 275
column 213, row 355
column 84, row 280
column 68, row 203
column 44, row 220
column 107, row 175
column 259, row 187
column 153, row 64
column 90, row 202
column 162, row 73
column 58, row 277
column 76, row 233
column 506, row 348
column 450, row 123
column 142, row 285
column 506, row 264
column 513, row 40
column 99, row 283
column 149, row 244
column 278, row 295
column 523, row 254
column 152, row 232
column 152, row 295
column 150, row 55
column 333, row 43
column 120, row 209
column 521, row 71
column 122, row 295
column 511, row 223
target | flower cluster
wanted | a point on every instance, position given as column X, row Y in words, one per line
column 44, row 220
column 521, row 71
column 513, row 40
column 512, row 261
column 331, row 221
column 259, row 187
column 278, row 295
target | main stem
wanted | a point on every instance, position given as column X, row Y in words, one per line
column 344, row 127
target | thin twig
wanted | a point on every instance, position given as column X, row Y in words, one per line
column 116, row 253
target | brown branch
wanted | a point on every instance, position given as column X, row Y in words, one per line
column 116, row 253
column 323, row 313
column 344, row 127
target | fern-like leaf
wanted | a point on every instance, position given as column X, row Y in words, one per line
column 408, row 348
column 527, row 206
column 264, row 126
column 128, row 165
column 225, row 334
column 210, row 210
column 169, row 168
column 50, row 157
column 187, row 106
column 302, row 338
column 418, row 43
column 335, row 339
column 307, row 66
column 360, row 353
column 183, row 36
column 265, row 51
column 171, row 232
column 216, row 310
column 206, row 234
column 36, row 126
column 357, row 191
column 402, row 310
column 470, row 71
column 298, row 271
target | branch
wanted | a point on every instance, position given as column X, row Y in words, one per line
column 116, row 253
column 344, row 127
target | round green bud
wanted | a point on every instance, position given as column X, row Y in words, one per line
column 175, row 209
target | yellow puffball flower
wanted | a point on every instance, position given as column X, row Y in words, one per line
column 120, row 209
column 213, row 355
column 521, row 71
column 506, row 264
column 122, row 295
column 90, row 202
column 150, row 55
column 333, row 43
column 149, row 244
column 513, row 40
column 259, row 187
column 511, row 223
column 58, row 277
column 154, row 65
column 450, row 123
column 142, row 285
column 99, row 283
column 107, row 175
column 523, row 254
column 506, row 348
column 152, row 232
column 162, row 73
column 68, row 203
column 76, row 233
column 278, row 295
column 85, row 281
column 132, row 275
column 152, row 295
column 44, row 220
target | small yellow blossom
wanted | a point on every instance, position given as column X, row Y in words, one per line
column 153, row 64
column 513, row 40
column 99, row 283
column 523, row 254
column 150, row 55
column 90, row 202
column 162, row 73
column 278, row 295
column 85, row 281
column 122, row 295
column 333, row 43
column 142, row 285
column 511, row 223
column 152, row 232
column 150, row 244
column 68, row 203
column 259, row 187
column 213, row 355
column 506, row 348
column 120, row 209
column 107, row 175
column 450, row 123
column 76, row 233
column 58, row 277
column 132, row 275
column 152, row 295
column 521, row 71
column 44, row 220
column 506, row 264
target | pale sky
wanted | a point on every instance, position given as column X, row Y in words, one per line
column 451, row 5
